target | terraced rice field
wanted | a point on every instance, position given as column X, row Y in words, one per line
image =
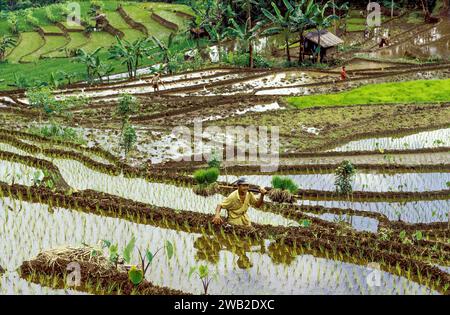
column 76, row 40
column 141, row 15
column 31, row 41
column 77, row 197
column 52, row 29
column 99, row 39
column 119, row 23
column 52, row 44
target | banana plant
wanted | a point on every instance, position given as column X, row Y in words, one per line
column 217, row 35
column 281, row 23
column 91, row 61
column 322, row 21
column 301, row 19
column 244, row 35
column 165, row 48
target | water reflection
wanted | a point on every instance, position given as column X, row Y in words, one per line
column 209, row 247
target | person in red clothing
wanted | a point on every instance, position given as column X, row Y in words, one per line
column 344, row 75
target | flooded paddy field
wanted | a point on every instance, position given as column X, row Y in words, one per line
column 365, row 183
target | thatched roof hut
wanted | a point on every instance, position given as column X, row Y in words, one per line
column 327, row 39
column 328, row 43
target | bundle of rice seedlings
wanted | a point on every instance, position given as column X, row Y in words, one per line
column 283, row 190
column 281, row 196
column 206, row 182
column 206, row 190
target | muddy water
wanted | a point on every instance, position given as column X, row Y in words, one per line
column 277, row 81
column 17, row 173
column 411, row 212
column 170, row 83
column 358, row 223
column 12, row 284
column 249, row 269
column 424, row 45
column 178, row 198
column 421, row 140
column 163, row 195
column 362, row 181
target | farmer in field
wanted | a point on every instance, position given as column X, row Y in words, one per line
column 344, row 75
column 237, row 204
column 155, row 82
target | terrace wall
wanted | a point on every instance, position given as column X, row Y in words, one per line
column 184, row 14
column 164, row 22
column 133, row 24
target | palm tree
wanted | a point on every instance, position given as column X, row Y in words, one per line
column 301, row 19
column 245, row 35
column 92, row 62
column 281, row 23
column 322, row 21
column 5, row 43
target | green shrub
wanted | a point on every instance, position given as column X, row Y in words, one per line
column 127, row 106
column 242, row 60
column 57, row 132
column 214, row 160
column 129, row 138
column 343, row 177
column 43, row 99
column 284, row 183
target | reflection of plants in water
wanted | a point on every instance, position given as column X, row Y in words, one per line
column 342, row 219
column 204, row 275
column 209, row 247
